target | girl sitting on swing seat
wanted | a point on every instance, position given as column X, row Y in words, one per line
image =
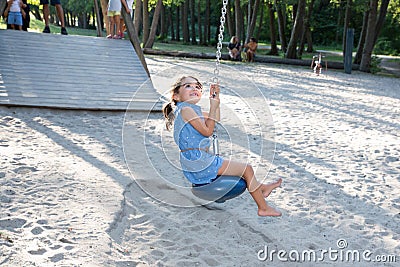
column 192, row 129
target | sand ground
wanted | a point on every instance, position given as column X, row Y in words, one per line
column 68, row 197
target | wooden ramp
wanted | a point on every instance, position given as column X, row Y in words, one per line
column 72, row 72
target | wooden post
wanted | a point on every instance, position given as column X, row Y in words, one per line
column 348, row 55
column 134, row 38
column 98, row 21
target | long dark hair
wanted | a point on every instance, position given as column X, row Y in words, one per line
column 168, row 108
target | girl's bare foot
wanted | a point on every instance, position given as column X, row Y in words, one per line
column 266, row 189
column 269, row 211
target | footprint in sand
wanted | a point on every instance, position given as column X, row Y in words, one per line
column 37, row 230
column 25, row 170
column 12, row 224
column 40, row 251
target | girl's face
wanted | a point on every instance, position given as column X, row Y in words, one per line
column 190, row 91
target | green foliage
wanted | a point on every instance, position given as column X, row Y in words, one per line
column 384, row 46
column 374, row 65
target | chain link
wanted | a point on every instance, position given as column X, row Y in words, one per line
column 220, row 39
column 215, row 142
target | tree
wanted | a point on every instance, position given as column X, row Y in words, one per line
column 193, row 21
column 238, row 19
column 281, row 25
column 252, row 20
column 346, row 24
column 3, row 4
column 361, row 41
column 374, row 27
column 207, row 26
column 297, row 30
column 199, row 22
column 154, row 25
column 306, row 36
column 138, row 16
column 272, row 30
column 185, row 21
column 146, row 21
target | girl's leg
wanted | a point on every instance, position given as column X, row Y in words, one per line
column 117, row 22
column 257, row 190
column 110, row 29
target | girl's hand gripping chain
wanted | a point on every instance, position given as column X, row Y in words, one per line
column 214, row 109
column 214, row 96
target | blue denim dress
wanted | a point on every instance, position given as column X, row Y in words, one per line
column 198, row 165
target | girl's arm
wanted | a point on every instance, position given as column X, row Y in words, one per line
column 206, row 126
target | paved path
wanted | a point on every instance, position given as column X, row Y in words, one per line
column 71, row 72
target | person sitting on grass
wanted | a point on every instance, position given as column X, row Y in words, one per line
column 234, row 48
column 251, row 49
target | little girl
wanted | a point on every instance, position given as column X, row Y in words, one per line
column 15, row 13
column 192, row 129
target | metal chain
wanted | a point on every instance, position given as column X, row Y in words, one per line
column 220, row 39
column 215, row 142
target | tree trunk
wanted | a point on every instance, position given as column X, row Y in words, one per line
column 361, row 42
column 248, row 21
column 185, row 22
column 274, row 47
column 138, row 16
column 199, row 22
column 305, row 37
column 207, row 26
column 346, row 24
column 163, row 21
column 297, row 30
column 154, row 25
column 171, row 23
column 3, row 4
column 381, row 18
column 146, row 21
column 369, row 38
column 308, row 34
column 260, row 20
column 98, row 19
column 192, row 21
column 281, row 25
column 252, row 20
column 230, row 20
column 178, row 22
column 339, row 22
column 238, row 19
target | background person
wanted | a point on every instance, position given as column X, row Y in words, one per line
column 234, row 48
column 46, row 14
column 251, row 47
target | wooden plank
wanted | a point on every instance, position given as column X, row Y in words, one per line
column 72, row 72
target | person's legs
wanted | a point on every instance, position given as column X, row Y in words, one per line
column 121, row 27
column 18, row 21
column 112, row 26
column 46, row 14
column 257, row 190
column 60, row 14
column 117, row 23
